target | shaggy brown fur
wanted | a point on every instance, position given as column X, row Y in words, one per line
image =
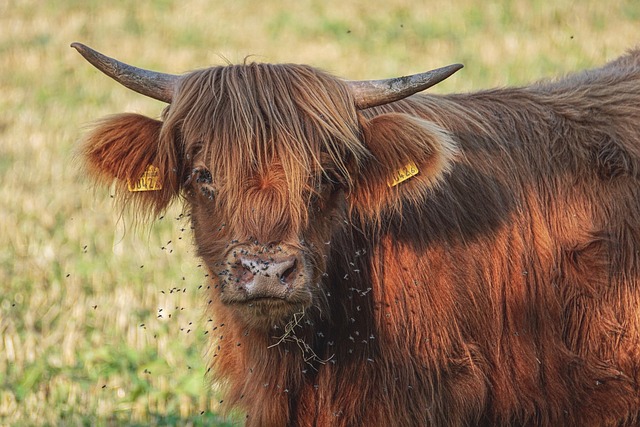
column 499, row 286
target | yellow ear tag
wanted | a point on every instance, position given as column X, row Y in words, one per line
column 403, row 174
column 149, row 181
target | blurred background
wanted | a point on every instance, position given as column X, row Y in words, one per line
column 101, row 324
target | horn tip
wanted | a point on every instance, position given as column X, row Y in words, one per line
column 79, row 47
column 452, row 69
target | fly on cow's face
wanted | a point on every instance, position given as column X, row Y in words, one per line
column 204, row 176
column 201, row 181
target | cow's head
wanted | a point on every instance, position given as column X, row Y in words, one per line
column 270, row 159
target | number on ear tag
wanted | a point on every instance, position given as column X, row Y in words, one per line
column 403, row 174
column 149, row 181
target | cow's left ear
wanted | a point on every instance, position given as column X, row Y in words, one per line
column 129, row 149
column 409, row 156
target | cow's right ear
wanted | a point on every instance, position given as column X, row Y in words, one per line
column 409, row 156
column 127, row 149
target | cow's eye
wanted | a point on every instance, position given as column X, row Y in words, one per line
column 331, row 179
column 203, row 176
column 327, row 179
column 201, row 182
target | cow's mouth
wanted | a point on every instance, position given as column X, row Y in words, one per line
column 275, row 301
column 267, row 312
column 301, row 299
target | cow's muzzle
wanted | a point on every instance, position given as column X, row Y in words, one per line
column 266, row 277
column 256, row 276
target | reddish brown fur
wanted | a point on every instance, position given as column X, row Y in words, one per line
column 499, row 286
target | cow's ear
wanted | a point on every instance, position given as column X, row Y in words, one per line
column 409, row 157
column 127, row 149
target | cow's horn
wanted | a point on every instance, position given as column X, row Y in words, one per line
column 156, row 85
column 371, row 93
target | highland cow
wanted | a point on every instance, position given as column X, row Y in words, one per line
column 380, row 256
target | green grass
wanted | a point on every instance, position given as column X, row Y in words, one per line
column 102, row 325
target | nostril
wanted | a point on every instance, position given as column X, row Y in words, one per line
column 247, row 264
column 288, row 274
column 243, row 272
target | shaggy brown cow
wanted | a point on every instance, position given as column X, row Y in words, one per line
column 497, row 286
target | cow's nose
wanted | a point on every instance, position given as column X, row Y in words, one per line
column 282, row 269
column 266, row 277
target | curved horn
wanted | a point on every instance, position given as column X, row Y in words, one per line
column 155, row 85
column 371, row 93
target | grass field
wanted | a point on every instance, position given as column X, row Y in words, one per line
column 103, row 325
